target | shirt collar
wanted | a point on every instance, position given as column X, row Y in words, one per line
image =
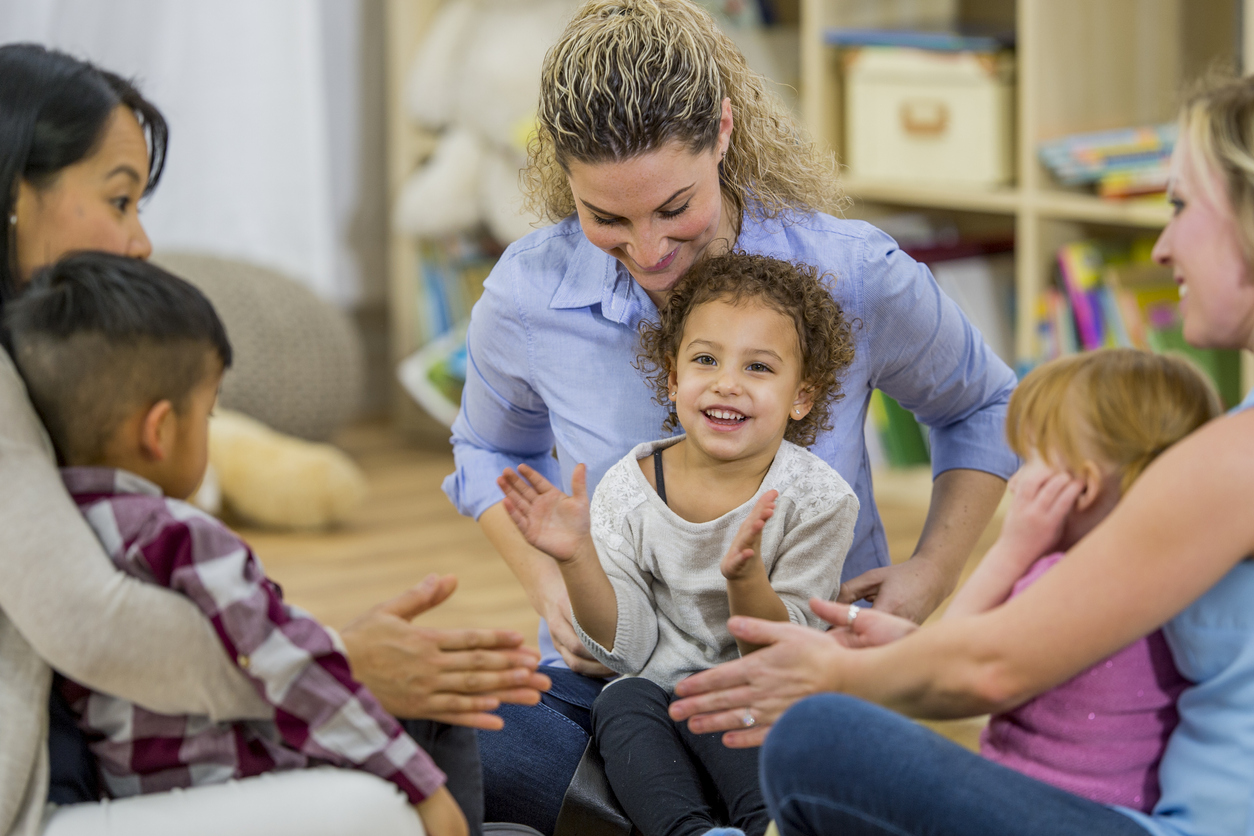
column 594, row 277
column 106, row 481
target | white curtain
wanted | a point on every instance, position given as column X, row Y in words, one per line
column 261, row 97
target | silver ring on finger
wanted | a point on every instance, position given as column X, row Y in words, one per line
column 748, row 720
column 854, row 609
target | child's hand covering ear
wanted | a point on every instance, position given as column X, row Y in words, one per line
column 1041, row 497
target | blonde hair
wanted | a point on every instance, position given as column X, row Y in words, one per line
column 1218, row 121
column 630, row 76
column 1124, row 405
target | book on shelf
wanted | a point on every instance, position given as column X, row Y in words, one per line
column 1125, row 162
column 930, row 40
column 450, row 275
column 1113, row 296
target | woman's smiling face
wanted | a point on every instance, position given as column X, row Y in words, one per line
column 656, row 212
column 1202, row 245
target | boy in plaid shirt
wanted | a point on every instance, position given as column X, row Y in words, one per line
column 123, row 362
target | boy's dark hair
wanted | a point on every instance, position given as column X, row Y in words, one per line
column 795, row 290
column 97, row 336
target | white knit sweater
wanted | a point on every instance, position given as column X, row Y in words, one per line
column 63, row 604
column 672, row 598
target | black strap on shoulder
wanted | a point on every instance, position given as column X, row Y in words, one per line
column 658, row 477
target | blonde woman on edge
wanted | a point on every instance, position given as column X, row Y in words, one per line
column 1174, row 552
column 657, row 146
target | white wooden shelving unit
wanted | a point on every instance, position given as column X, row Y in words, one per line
column 1081, row 65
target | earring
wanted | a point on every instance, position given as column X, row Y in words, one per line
column 671, row 396
column 13, row 219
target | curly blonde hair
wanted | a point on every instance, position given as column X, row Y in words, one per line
column 795, row 290
column 630, row 76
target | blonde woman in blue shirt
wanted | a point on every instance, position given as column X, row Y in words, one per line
column 656, row 146
column 1178, row 546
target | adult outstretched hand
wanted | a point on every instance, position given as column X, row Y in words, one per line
column 452, row 676
column 746, row 696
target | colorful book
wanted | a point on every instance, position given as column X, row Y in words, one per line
column 1080, row 265
column 930, row 40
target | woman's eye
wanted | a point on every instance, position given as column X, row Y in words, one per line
column 674, row 213
column 122, row 203
column 1177, row 205
column 604, row 221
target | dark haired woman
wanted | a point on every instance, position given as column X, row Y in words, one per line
column 79, row 148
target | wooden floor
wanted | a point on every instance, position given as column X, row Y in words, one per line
column 408, row 529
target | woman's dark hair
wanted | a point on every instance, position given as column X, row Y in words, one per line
column 53, row 112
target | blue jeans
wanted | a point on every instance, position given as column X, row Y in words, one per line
column 528, row 764
column 836, row 764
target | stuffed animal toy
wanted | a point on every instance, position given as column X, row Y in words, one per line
column 475, row 81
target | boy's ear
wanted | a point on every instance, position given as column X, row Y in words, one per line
column 1094, row 482
column 156, row 431
column 803, row 404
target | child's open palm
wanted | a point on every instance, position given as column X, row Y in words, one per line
column 747, row 545
column 550, row 520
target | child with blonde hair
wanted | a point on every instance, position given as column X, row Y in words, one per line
column 733, row 517
column 1087, row 426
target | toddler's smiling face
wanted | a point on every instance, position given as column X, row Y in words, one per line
column 736, row 381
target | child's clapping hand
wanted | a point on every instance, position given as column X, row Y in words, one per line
column 550, row 520
column 739, row 561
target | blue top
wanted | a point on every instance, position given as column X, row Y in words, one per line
column 1207, row 770
column 549, row 379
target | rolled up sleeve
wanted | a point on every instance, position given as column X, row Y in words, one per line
column 503, row 421
column 934, row 362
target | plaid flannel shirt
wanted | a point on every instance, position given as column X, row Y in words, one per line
column 321, row 714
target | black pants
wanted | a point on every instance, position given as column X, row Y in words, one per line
column 456, row 751
column 670, row 781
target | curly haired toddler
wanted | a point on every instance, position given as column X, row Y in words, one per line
column 732, row 517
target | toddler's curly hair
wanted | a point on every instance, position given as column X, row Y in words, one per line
column 797, row 291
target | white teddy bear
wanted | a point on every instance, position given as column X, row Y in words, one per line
column 476, row 80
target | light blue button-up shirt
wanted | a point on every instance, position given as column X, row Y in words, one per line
column 550, row 381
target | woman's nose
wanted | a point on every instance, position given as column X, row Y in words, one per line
column 138, row 245
column 1161, row 252
column 648, row 249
